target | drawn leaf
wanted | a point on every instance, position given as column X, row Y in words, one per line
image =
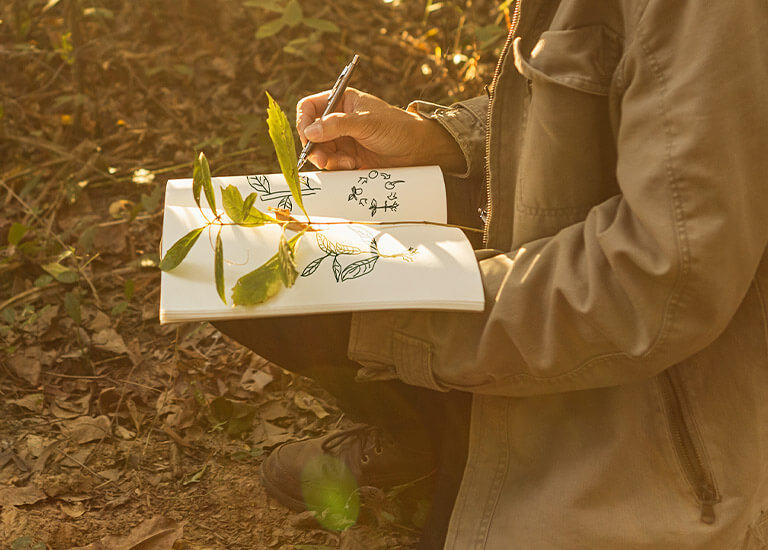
column 285, row 147
column 219, row 267
column 336, row 268
column 325, row 244
column 233, row 203
column 288, row 270
column 359, row 268
column 197, row 179
column 285, row 203
column 205, row 175
column 312, row 266
column 342, row 248
column 259, row 285
column 180, row 249
column 259, row 183
column 374, row 246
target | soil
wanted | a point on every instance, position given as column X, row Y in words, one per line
column 117, row 432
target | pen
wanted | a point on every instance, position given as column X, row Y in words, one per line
column 336, row 92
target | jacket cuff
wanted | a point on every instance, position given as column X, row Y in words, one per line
column 386, row 354
column 465, row 122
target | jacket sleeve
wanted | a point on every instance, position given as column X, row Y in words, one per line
column 652, row 275
column 465, row 121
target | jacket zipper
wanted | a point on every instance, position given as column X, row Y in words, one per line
column 689, row 452
column 486, row 214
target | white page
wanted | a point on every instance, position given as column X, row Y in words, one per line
column 396, row 194
column 409, row 266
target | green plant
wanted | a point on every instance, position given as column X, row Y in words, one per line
column 280, row 270
column 291, row 15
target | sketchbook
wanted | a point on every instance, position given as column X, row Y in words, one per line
column 368, row 265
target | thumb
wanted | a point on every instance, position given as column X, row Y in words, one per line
column 334, row 126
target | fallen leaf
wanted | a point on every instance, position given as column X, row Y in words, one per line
column 72, row 509
column 255, row 380
column 157, row 533
column 27, row 366
column 109, row 340
column 306, row 402
column 71, row 408
column 33, row 402
column 20, row 496
column 268, row 435
column 86, row 428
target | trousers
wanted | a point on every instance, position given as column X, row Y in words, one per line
column 315, row 346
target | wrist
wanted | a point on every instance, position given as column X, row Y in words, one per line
column 438, row 146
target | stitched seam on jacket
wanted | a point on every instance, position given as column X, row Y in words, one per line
column 676, row 291
column 683, row 248
column 500, row 473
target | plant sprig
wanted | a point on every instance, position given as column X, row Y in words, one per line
column 280, row 270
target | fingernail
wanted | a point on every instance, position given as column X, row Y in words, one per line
column 346, row 164
column 314, row 131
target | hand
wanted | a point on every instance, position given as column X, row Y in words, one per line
column 369, row 132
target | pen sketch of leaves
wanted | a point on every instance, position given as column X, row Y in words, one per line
column 336, row 268
column 260, row 184
column 359, row 268
column 312, row 266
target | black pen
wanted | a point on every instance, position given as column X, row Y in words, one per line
column 336, row 92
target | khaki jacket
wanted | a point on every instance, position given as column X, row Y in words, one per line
column 620, row 368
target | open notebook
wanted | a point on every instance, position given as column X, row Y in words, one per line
column 342, row 267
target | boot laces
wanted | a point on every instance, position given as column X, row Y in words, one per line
column 366, row 437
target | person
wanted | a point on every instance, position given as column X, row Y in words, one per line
column 618, row 374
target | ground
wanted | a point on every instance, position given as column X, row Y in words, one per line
column 117, row 432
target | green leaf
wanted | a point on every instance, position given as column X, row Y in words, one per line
column 263, row 282
column 270, row 29
column 288, row 270
column 259, row 285
column 241, row 211
column 16, row 233
column 197, row 179
column 61, row 273
column 219, row 267
column 233, row 203
column 256, row 217
column 285, row 147
column 180, row 249
column 322, row 25
column 293, row 13
column 248, row 203
column 207, row 184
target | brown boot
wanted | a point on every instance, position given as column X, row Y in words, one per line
column 324, row 473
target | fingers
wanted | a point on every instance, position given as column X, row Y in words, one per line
column 308, row 110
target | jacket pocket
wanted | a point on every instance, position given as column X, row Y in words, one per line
column 568, row 159
column 688, row 445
